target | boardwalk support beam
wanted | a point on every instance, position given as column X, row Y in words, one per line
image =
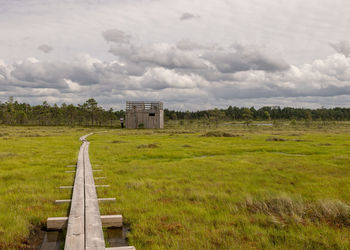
column 57, row 223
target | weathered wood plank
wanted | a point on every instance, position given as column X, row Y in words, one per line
column 99, row 199
column 63, row 201
column 112, row 220
column 66, row 187
column 93, row 225
column 75, row 237
column 121, row 248
column 57, row 223
column 106, row 199
column 70, row 187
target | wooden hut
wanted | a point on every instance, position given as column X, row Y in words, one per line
column 144, row 115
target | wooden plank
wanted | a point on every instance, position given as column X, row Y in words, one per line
column 112, row 220
column 121, row 248
column 106, row 199
column 94, row 238
column 62, row 201
column 55, row 223
column 70, row 187
column 99, row 199
column 75, row 237
column 102, row 186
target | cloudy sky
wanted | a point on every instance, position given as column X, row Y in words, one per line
column 189, row 54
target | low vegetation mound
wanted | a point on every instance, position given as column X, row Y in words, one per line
column 275, row 139
column 152, row 145
column 284, row 209
column 118, row 141
column 219, row 134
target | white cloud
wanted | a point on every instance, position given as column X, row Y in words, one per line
column 73, row 86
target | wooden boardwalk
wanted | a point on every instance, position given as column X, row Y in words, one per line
column 84, row 229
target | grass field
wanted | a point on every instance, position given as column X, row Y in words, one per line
column 234, row 187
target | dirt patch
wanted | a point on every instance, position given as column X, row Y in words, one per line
column 152, row 145
column 187, row 146
column 33, row 241
column 275, row 139
column 118, row 237
column 324, row 144
column 220, row 134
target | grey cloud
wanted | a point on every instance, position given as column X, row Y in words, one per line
column 187, row 16
column 342, row 47
column 116, row 36
column 244, row 59
column 164, row 55
column 3, row 72
column 168, row 56
column 87, row 76
column 272, row 90
column 45, row 48
column 186, row 44
column 186, row 55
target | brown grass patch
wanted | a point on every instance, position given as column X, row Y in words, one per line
column 118, row 141
column 219, row 134
column 152, row 145
column 275, row 139
column 283, row 209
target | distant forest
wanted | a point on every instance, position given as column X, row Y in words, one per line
column 91, row 114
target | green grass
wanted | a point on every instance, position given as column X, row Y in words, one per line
column 190, row 187
column 32, row 165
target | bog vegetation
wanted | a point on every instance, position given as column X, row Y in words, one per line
column 232, row 186
column 89, row 113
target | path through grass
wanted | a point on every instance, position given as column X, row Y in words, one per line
column 235, row 188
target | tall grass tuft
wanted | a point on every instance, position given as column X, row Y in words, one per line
column 285, row 209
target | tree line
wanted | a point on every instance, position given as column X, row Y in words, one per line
column 88, row 113
column 91, row 114
column 265, row 113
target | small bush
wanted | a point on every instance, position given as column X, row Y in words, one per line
column 219, row 134
column 275, row 139
column 153, row 145
column 118, row 141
